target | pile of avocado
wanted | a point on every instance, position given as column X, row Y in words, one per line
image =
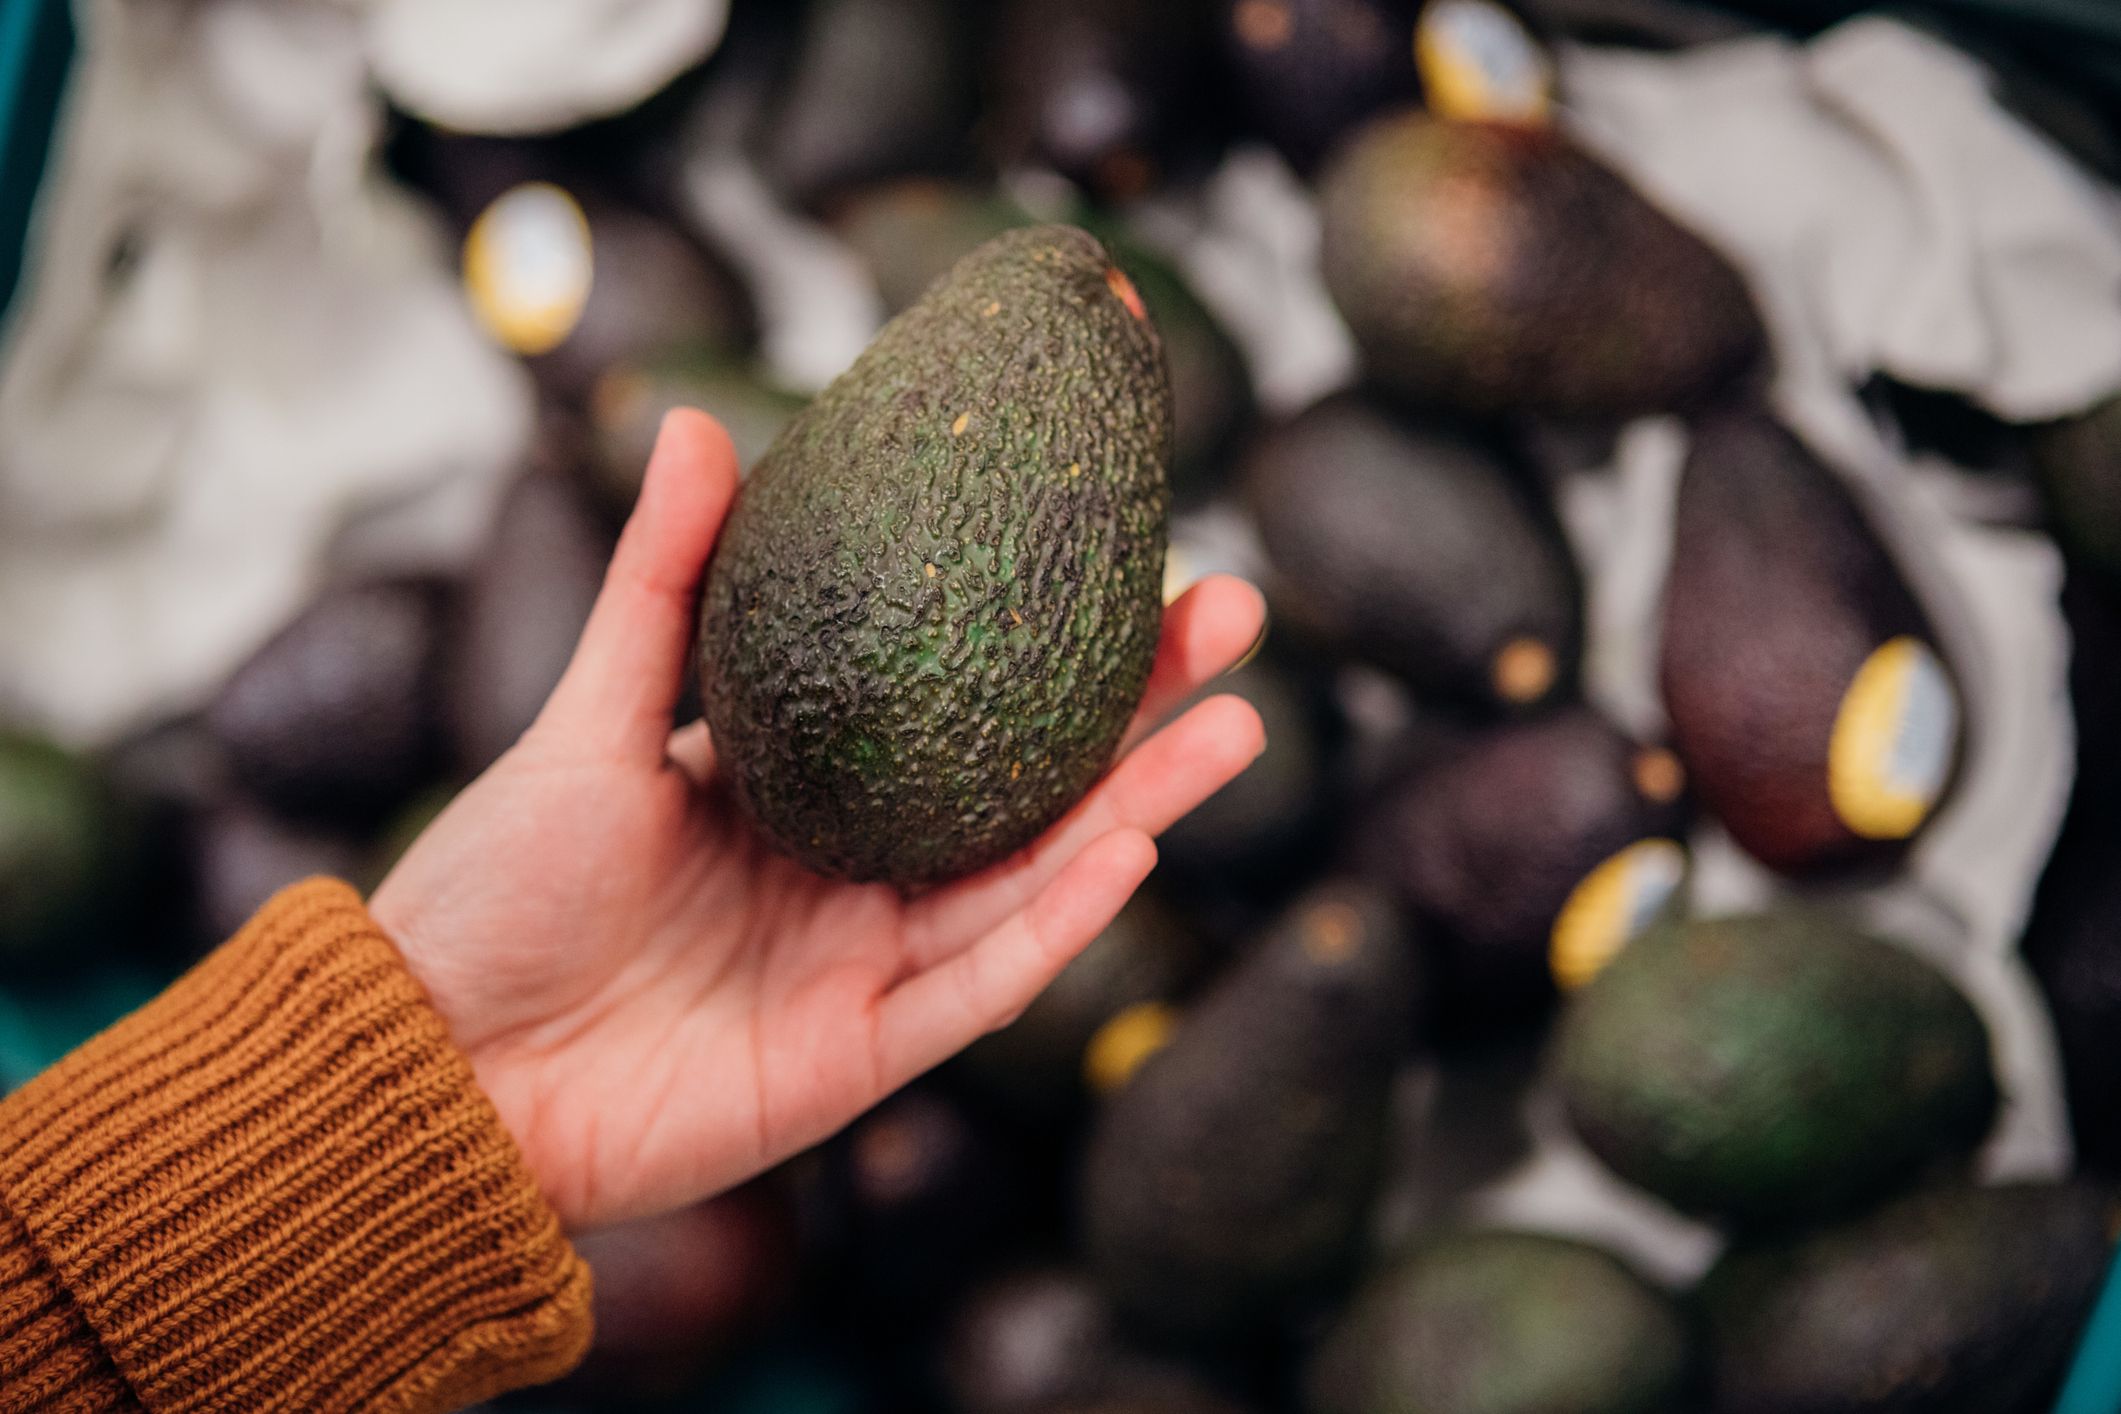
column 1237, row 1158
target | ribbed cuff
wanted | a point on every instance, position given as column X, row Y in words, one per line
column 277, row 1187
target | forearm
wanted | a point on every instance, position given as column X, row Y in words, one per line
column 275, row 1187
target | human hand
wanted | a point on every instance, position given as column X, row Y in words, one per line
column 658, row 1004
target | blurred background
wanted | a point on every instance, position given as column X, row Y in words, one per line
column 1669, row 956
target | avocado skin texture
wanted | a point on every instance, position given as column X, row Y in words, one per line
column 1778, row 591
column 2078, row 464
column 336, row 719
column 933, row 609
column 1489, row 843
column 1226, row 1185
column 1412, row 546
column 1147, row 954
column 56, row 826
column 1309, row 70
column 1489, row 267
column 1953, row 1301
column 1772, row 1068
column 1505, row 1323
column 909, row 233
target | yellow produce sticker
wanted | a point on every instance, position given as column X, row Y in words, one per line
column 1895, row 737
column 527, row 267
column 1477, row 63
column 1123, row 1043
column 1611, row 906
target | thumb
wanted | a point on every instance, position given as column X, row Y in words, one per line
column 623, row 682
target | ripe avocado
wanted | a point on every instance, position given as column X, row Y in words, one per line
column 336, row 719
column 1512, row 848
column 879, row 88
column 1489, row 267
column 2078, row 463
column 1816, row 716
column 57, row 823
column 910, row 233
column 1117, row 96
column 1309, row 70
column 1227, row 1183
column 1505, row 1323
column 522, row 608
column 933, row 609
column 1147, row 956
column 1773, row 1068
column 1953, row 1301
column 1414, row 546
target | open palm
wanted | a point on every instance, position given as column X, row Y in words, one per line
column 660, row 1005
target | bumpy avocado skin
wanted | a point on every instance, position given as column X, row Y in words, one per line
column 1492, row 267
column 1506, row 1323
column 934, row 606
column 1779, row 590
column 1773, row 1068
column 1952, row 1301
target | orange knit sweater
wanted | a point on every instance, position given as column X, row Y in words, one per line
column 276, row 1187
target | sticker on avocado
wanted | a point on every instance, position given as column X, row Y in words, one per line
column 527, row 267
column 1611, row 906
column 1477, row 62
column 1895, row 737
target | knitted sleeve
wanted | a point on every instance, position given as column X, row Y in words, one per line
column 276, row 1187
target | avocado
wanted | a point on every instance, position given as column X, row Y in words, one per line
column 1147, row 956
column 1415, row 546
column 627, row 406
column 336, row 719
column 1772, row 1068
column 2078, row 464
column 1490, row 267
column 520, row 611
column 909, row 233
column 1953, row 1301
column 1309, row 70
column 880, row 88
column 932, row 611
column 1536, row 853
column 2073, row 945
column 1028, row 1339
column 242, row 855
column 1505, row 1323
column 1117, row 96
column 57, row 828
column 576, row 281
column 1816, row 715
column 1272, row 826
column 1226, row 1184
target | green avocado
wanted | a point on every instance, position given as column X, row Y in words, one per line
column 1954, row 1301
column 57, row 823
column 1773, row 1068
column 1494, row 844
column 1415, row 546
column 932, row 612
column 909, row 232
column 627, row 406
column 1505, row 1323
column 1226, row 1184
column 1147, row 955
column 1489, row 267
column 1817, row 717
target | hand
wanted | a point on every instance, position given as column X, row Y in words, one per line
column 659, row 1005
